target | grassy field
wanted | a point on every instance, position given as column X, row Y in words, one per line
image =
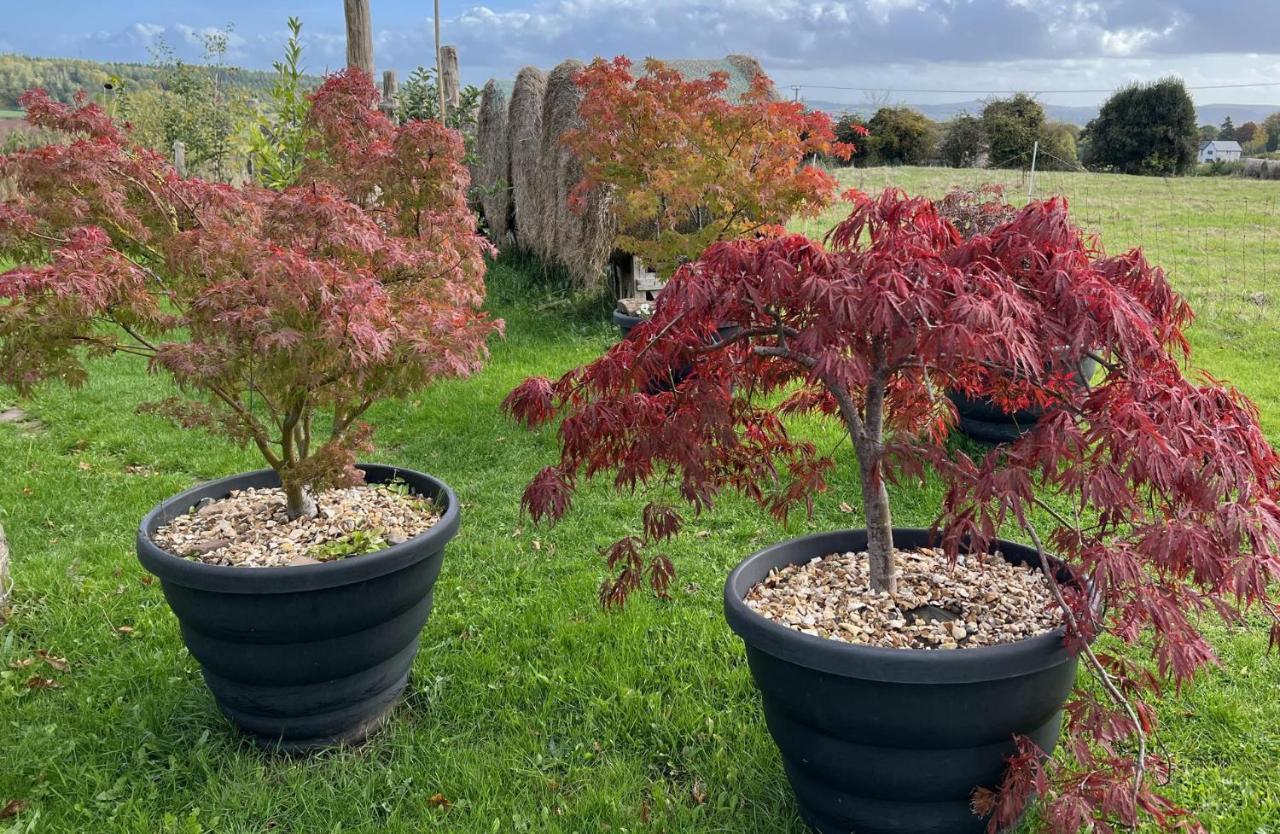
column 529, row 709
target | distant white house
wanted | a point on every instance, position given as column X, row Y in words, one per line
column 1218, row 150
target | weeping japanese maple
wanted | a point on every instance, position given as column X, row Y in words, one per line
column 1155, row 486
column 283, row 315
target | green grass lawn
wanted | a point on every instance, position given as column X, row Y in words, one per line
column 530, row 709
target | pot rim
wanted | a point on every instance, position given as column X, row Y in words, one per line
column 919, row 666
column 294, row 578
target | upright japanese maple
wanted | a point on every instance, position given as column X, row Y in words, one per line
column 283, row 314
column 686, row 166
column 1158, row 488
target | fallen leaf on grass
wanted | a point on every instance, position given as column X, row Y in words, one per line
column 12, row 808
column 845, row 508
column 55, row 662
column 85, row 466
column 699, row 793
column 21, row 664
column 146, row 579
column 125, row 629
column 645, row 813
column 37, row 682
column 438, row 800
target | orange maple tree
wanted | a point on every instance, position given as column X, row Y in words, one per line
column 686, row 167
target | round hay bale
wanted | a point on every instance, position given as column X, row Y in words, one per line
column 581, row 241
column 524, row 132
column 750, row 67
column 493, row 165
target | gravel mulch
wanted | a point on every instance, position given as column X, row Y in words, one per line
column 250, row 527
column 938, row 605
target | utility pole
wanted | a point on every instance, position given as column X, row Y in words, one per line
column 439, row 66
column 359, row 35
column 796, row 92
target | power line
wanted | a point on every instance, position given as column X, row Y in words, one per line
column 1011, row 92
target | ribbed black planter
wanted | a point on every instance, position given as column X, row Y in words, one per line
column 625, row 322
column 311, row 656
column 983, row 420
column 893, row 741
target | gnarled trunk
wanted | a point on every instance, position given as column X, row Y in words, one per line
column 298, row 502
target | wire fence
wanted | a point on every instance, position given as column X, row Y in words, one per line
column 1218, row 238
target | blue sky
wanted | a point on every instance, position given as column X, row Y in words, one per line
column 887, row 46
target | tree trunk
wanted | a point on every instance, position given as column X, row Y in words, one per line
column 5, row 585
column 875, row 506
column 298, row 502
column 359, row 35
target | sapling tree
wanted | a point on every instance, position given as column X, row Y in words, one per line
column 283, row 316
column 685, row 166
column 1154, row 488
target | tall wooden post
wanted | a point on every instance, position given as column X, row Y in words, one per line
column 359, row 35
column 439, row 65
column 449, row 76
column 180, row 157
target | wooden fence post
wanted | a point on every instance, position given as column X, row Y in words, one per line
column 449, row 76
column 359, row 35
column 388, row 104
column 180, row 157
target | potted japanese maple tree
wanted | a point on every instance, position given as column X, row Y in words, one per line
column 915, row 679
column 978, row 212
column 282, row 316
column 684, row 164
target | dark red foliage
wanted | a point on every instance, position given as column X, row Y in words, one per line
column 1155, row 484
column 276, row 307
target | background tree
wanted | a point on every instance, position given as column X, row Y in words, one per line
column 277, row 140
column 963, row 141
column 1271, row 124
column 1058, row 150
column 1208, row 133
column 1227, row 131
column 851, row 130
column 1145, row 129
column 1012, row 127
column 1246, row 132
column 900, row 136
column 686, row 167
column 200, row 106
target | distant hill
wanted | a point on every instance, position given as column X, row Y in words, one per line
column 1211, row 114
column 64, row 77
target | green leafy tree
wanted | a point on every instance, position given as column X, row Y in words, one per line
column 1227, row 132
column 900, row 136
column 277, row 140
column 1145, row 129
column 199, row 106
column 851, row 129
column 1271, row 124
column 963, row 141
column 1208, row 133
column 1012, row 126
column 1058, row 150
column 1246, row 132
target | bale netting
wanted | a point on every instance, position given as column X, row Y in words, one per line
column 524, row 133
column 580, row 241
column 493, row 166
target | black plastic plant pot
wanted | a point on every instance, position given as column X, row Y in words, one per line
column 627, row 323
column 894, row 741
column 983, row 420
column 312, row 656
